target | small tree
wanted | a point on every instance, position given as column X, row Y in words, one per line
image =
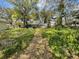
column 24, row 7
column 46, row 15
column 11, row 16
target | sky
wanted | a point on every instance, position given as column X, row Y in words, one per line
column 5, row 4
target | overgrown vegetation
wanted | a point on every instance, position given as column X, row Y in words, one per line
column 15, row 40
column 63, row 42
column 59, row 20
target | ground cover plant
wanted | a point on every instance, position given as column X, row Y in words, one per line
column 63, row 42
column 14, row 40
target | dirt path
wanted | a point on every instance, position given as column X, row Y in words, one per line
column 38, row 49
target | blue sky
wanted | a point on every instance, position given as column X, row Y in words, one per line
column 5, row 4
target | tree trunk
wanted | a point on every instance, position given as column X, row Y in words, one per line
column 48, row 24
column 59, row 21
column 61, row 12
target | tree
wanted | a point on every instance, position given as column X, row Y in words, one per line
column 27, row 7
column 10, row 16
column 24, row 7
column 46, row 16
column 75, row 15
column 61, row 12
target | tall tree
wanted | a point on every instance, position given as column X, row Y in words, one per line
column 61, row 12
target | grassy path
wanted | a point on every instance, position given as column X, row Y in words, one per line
column 38, row 48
